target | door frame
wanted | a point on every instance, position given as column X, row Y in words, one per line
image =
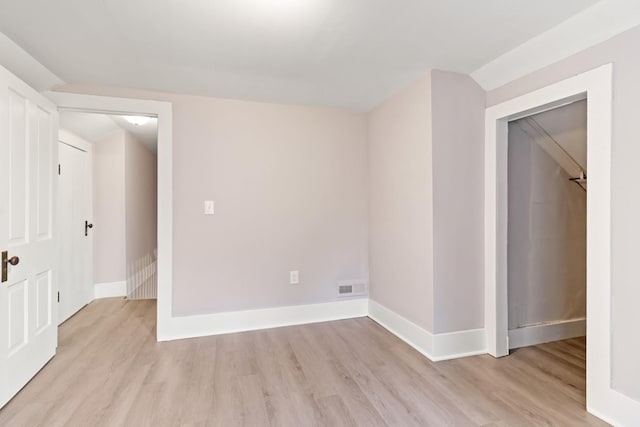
column 596, row 86
column 163, row 112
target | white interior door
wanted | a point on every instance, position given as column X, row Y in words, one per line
column 28, row 155
column 75, row 277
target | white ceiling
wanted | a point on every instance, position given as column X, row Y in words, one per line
column 92, row 127
column 95, row 127
column 343, row 53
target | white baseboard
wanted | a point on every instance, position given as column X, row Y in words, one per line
column 453, row 345
column 547, row 332
column 435, row 347
column 606, row 418
column 251, row 320
column 109, row 290
column 407, row 331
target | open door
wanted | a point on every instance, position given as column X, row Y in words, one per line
column 28, row 159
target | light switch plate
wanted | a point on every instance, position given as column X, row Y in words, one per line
column 208, row 207
column 294, row 277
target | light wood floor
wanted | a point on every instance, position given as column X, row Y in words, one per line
column 110, row 371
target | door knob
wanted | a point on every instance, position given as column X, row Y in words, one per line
column 87, row 226
column 14, row 260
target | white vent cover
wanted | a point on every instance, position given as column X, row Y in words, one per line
column 348, row 288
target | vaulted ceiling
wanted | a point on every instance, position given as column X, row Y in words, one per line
column 343, row 53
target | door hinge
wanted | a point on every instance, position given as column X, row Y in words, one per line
column 59, row 168
column 58, row 296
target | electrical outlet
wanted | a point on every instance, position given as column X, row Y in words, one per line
column 208, row 207
column 294, row 277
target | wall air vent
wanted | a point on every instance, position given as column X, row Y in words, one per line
column 349, row 288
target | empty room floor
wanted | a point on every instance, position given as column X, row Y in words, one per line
column 110, row 371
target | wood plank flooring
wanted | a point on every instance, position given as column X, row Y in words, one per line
column 109, row 371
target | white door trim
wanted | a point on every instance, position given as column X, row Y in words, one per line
column 163, row 111
column 596, row 86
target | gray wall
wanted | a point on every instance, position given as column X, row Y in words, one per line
column 290, row 191
column 547, row 228
column 400, row 204
column 124, row 207
column 109, row 210
column 625, row 206
column 426, row 202
column 458, row 201
column 140, row 217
